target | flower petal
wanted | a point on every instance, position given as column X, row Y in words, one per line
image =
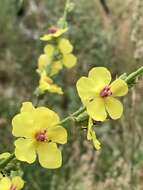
column 49, row 50
column 86, row 89
column 46, row 37
column 96, row 109
column 65, row 46
column 89, row 129
column 23, row 125
column 114, row 107
column 43, row 61
column 69, row 60
column 45, row 118
column 96, row 142
column 49, row 155
column 56, row 67
column 119, row 87
column 25, row 150
column 5, row 183
column 57, row 134
column 18, row 182
column 59, row 32
column 27, row 107
column 101, row 77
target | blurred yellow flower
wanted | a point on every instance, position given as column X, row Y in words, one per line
column 46, row 84
column 39, row 132
column 16, row 183
column 91, row 135
column 98, row 95
column 53, row 32
column 66, row 48
column 46, row 64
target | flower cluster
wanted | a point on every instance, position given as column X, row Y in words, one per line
column 99, row 96
column 57, row 53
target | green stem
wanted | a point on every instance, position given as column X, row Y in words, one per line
column 62, row 22
column 4, row 163
column 73, row 116
column 131, row 77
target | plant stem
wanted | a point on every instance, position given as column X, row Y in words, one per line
column 131, row 77
column 4, row 163
column 73, row 115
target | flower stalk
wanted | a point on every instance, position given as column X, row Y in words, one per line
column 5, row 162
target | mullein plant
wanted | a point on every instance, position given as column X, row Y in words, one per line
column 39, row 131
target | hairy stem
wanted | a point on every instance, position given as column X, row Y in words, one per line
column 131, row 77
column 73, row 116
column 4, row 163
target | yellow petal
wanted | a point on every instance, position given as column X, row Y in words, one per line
column 57, row 134
column 65, row 46
column 119, row 87
column 59, row 32
column 89, row 128
column 101, row 77
column 46, row 84
column 25, row 150
column 96, row 142
column 5, row 183
column 18, row 182
column 43, row 61
column 56, row 67
column 96, row 109
column 23, row 125
column 46, row 37
column 55, row 89
column 27, row 107
column 49, row 155
column 45, row 118
column 49, row 50
column 86, row 89
column 69, row 60
column 4, row 155
column 114, row 107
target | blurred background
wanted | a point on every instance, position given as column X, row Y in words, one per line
column 104, row 33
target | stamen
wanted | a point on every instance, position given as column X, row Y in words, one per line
column 41, row 136
column 106, row 92
column 52, row 30
column 13, row 187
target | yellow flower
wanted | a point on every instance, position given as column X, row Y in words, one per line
column 45, row 63
column 46, row 58
column 66, row 48
column 53, row 32
column 16, row 183
column 46, row 84
column 91, row 135
column 98, row 95
column 39, row 132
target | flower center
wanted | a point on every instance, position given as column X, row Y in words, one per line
column 13, row 187
column 106, row 92
column 41, row 136
column 52, row 30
